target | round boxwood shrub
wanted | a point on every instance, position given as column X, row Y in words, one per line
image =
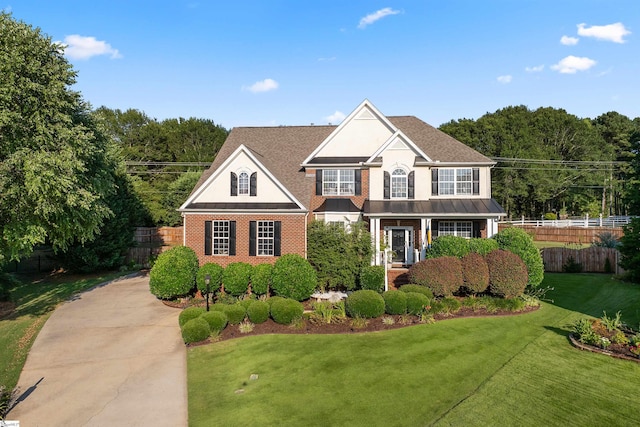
column 293, row 277
column 235, row 313
column 246, row 302
column 261, row 279
column 448, row 246
column 520, row 243
column 217, row 320
column 195, row 330
column 372, row 277
column 507, row 274
column 218, row 307
column 271, row 300
column 443, row 276
column 482, row 246
column 189, row 313
column 258, row 311
column 286, row 310
column 174, row 273
column 395, row 302
column 365, row 303
column 215, row 273
column 236, row 277
column 417, row 288
column 416, row 303
column 475, row 273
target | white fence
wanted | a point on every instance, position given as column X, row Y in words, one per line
column 612, row 221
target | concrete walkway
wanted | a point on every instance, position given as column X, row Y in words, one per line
column 112, row 356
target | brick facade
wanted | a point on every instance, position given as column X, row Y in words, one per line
column 293, row 236
column 318, row 200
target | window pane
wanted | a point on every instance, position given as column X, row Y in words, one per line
column 464, row 181
column 338, row 182
column 446, row 182
column 464, row 229
column 265, row 236
column 220, row 231
column 243, row 183
column 398, row 184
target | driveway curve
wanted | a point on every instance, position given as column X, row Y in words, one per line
column 112, row 356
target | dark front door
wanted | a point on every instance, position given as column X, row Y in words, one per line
column 397, row 245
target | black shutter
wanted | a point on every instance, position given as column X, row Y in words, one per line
column 208, row 237
column 253, row 184
column 387, row 185
column 253, row 233
column 232, row 238
column 410, row 185
column 476, row 181
column 234, row 184
column 434, row 182
column 318, row 182
column 358, row 176
column 434, row 229
column 277, row 241
column 476, row 229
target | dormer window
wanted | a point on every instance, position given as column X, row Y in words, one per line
column 243, row 184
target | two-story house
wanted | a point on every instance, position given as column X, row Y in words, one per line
column 406, row 179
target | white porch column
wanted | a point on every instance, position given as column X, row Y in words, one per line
column 374, row 229
column 492, row 227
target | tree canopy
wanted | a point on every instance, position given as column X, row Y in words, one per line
column 552, row 161
column 55, row 168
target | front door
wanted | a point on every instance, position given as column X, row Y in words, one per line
column 398, row 244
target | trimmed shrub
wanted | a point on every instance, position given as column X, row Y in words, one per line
column 520, row 243
column 482, row 246
column 195, row 330
column 286, row 310
column 372, row 277
column 235, row 313
column 293, row 277
column 261, row 278
column 395, row 302
column 271, row 300
column 215, row 272
column 416, row 303
column 246, row 302
column 217, row 320
column 417, row 288
column 189, row 313
column 174, row 273
column 475, row 273
column 448, row 246
column 235, row 278
column 258, row 311
column 443, row 276
column 218, row 307
column 365, row 303
column 507, row 274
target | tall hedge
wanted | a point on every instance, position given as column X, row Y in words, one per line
column 448, row 246
column 236, row 277
column 443, row 276
column 520, row 243
column 507, row 273
column 215, row 273
column 174, row 273
column 261, row 278
column 475, row 273
column 293, row 277
column 372, row 277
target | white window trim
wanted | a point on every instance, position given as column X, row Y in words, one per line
column 456, row 226
column 339, row 183
column 455, row 182
column 220, row 243
column 405, row 179
column 262, row 241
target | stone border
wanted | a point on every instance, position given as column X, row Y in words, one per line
column 577, row 344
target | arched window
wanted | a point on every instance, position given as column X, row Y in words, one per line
column 243, row 183
column 399, row 184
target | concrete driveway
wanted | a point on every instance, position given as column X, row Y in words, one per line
column 113, row 356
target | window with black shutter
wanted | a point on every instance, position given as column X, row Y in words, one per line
column 253, row 184
column 411, row 185
column 387, row 185
column 434, row 182
column 234, row 184
column 476, row 181
column 208, row 238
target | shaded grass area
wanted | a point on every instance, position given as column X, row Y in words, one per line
column 35, row 297
column 517, row 370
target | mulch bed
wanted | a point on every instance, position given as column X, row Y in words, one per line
column 346, row 327
column 618, row 351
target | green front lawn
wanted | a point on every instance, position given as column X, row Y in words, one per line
column 517, row 370
column 35, row 299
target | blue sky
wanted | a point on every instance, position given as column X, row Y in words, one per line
column 288, row 62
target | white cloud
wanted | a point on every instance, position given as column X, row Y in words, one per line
column 80, row 47
column 536, row 69
column 505, row 79
column 571, row 64
column 333, row 58
column 373, row 17
column 336, row 117
column 262, row 86
column 612, row 32
column 569, row 41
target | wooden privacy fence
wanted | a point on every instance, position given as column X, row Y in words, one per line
column 592, row 259
column 151, row 241
column 565, row 234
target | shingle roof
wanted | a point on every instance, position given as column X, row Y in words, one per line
column 283, row 149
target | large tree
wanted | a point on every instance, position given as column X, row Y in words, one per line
column 55, row 170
